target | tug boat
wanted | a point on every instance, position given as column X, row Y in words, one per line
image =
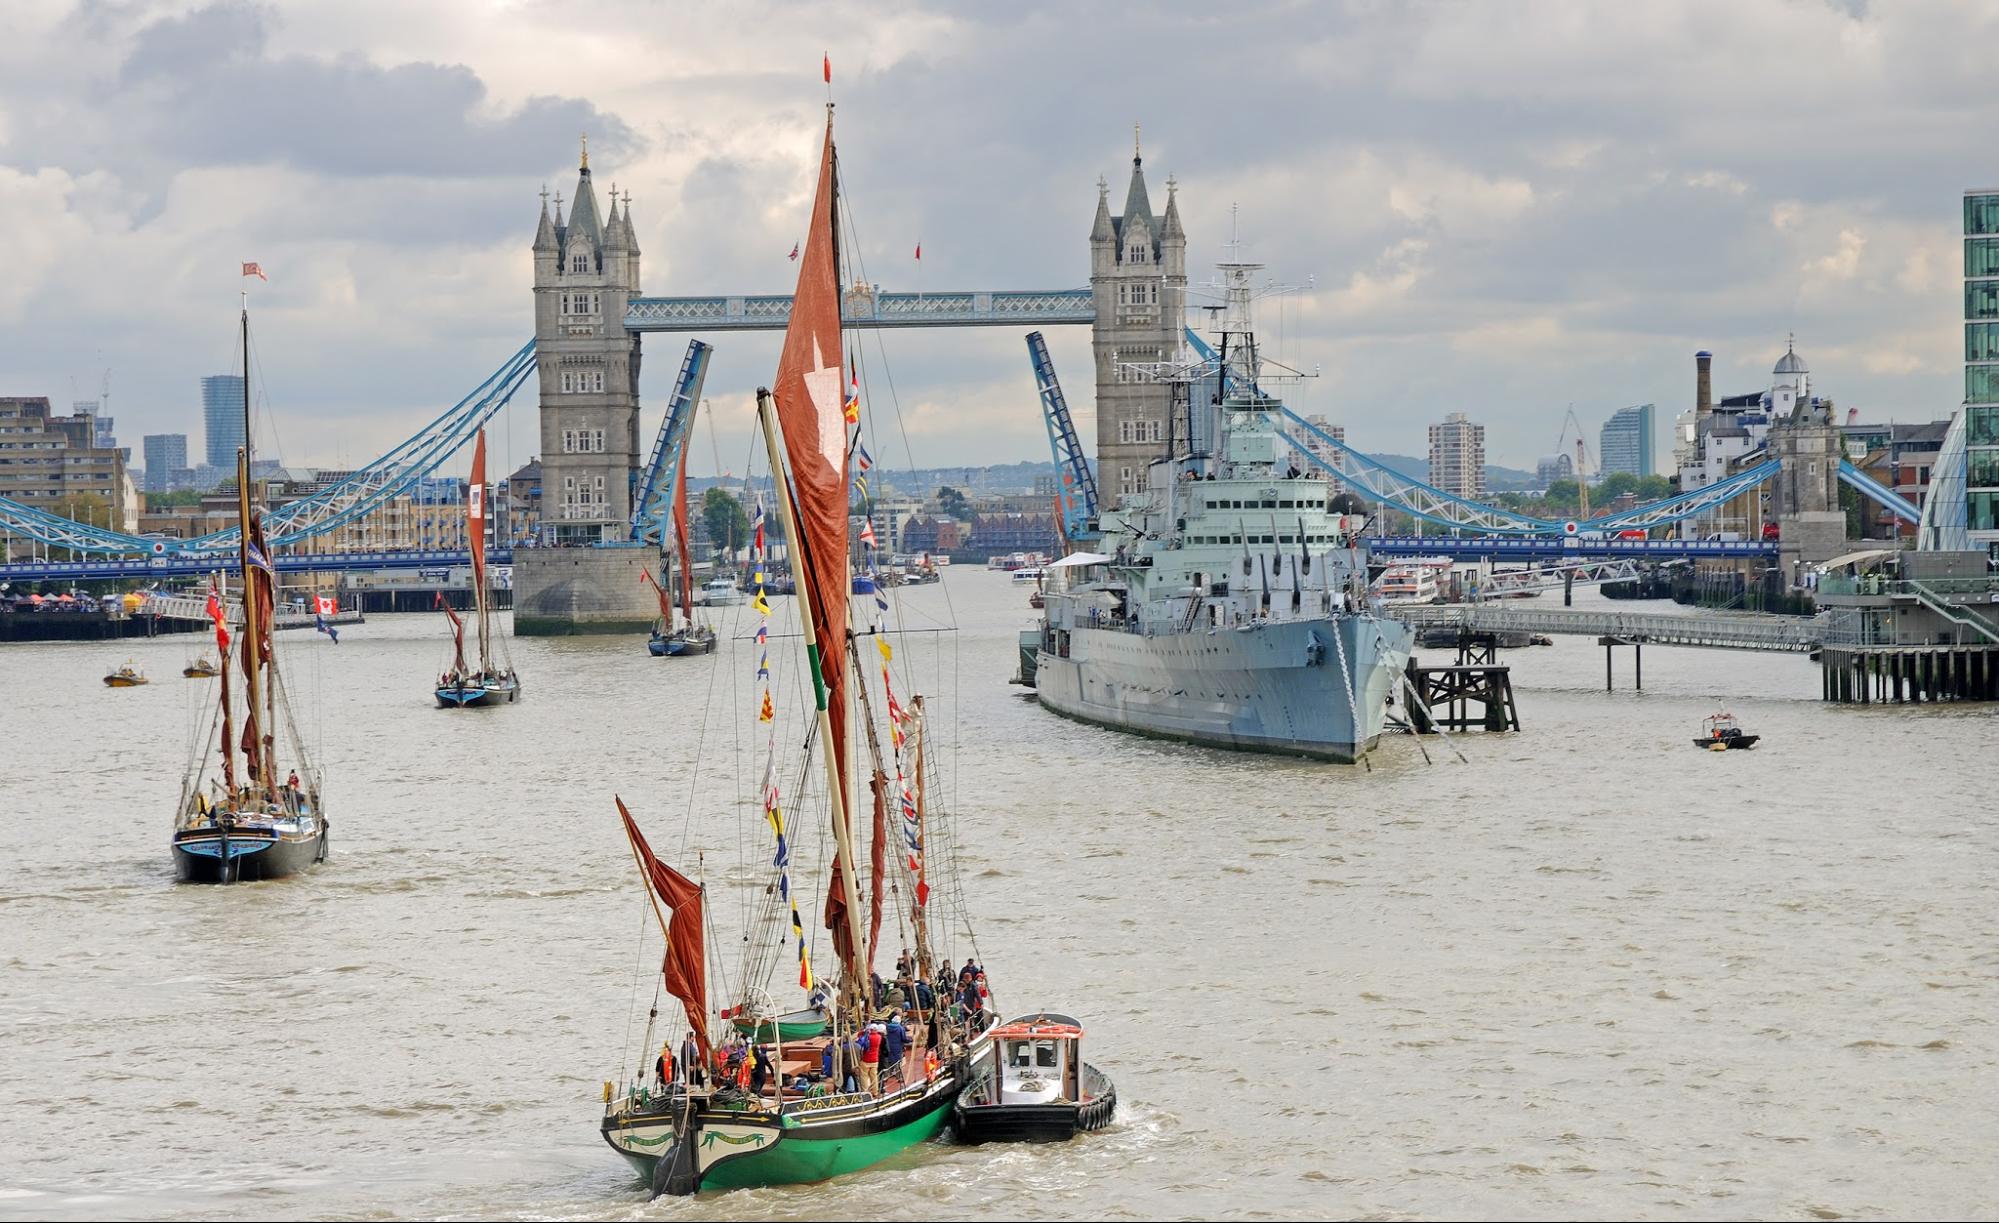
column 1031, row 1084
column 127, row 676
column 1722, row 734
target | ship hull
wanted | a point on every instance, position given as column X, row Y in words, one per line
column 1274, row 686
column 209, row 857
column 739, row 1150
column 474, row 696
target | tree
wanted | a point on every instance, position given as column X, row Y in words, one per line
column 953, row 502
column 723, row 519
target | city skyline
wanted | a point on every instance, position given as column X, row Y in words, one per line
column 1483, row 258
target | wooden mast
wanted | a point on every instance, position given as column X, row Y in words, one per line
column 253, row 641
column 842, row 813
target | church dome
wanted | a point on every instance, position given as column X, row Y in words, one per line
column 1790, row 363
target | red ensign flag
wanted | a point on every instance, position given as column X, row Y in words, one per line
column 252, row 269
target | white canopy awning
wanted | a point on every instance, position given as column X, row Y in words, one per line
column 1078, row 558
column 1854, row 558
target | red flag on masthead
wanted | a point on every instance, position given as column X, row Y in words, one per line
column 828, row 66
column 257, row 270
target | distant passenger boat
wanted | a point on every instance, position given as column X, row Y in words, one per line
column 721, row 592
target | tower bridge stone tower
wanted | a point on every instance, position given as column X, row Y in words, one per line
column 1138, row 272
column 586, row 267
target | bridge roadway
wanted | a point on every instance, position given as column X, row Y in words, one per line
column 183, row 565
column 1457, row 547
column 1704, row 629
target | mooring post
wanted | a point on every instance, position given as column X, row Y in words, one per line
column 1638, row 664
column 1606, row 664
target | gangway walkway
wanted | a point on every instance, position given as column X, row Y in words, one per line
column 1708, row 630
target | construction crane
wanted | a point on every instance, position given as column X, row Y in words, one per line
column 1582, row 461
column 1077, row 502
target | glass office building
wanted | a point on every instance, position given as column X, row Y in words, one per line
column 1981, row 366
column 222, row 418
column 1625, row 444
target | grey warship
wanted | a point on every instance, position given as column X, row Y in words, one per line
column 1227, row 602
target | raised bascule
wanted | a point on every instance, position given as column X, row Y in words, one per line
column 602, row 498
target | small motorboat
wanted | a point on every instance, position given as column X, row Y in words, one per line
column 1031, row 1084
column 127, row 676
column 201, row 668
column 794, row 1025
column 1722, row 734
column 721, row 592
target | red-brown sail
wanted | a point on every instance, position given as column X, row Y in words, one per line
column 685, row 969
column 665, row 608
column 457, row 636
column 680, row 540
column 807, row 392
column 475, row 527
column 475, row 512
column 259, row 594
column 877, row 864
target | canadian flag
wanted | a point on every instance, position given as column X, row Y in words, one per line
column 325, row 606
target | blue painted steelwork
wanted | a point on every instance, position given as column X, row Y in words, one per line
column 1887, row 498
column 1532, row 547
column 330, row 508
column 654, row 498
column 868, row 308
column 188, row 564
column 1685, row 505
column 1079, row 484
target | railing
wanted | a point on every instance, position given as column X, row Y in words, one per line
column 1781, row 634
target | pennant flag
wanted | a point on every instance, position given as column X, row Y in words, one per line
column 919, row 250
column 881, row 643
column 216, row 614
column 761, row 604
column 258, row 558
column 862, row 459
column 253, row 269
column 867, row 534
column 826, row 65
column 853, row 404
column 794, row 252
column 326, row 606
column 768, row 712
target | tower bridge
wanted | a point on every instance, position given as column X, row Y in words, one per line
column 602, row 496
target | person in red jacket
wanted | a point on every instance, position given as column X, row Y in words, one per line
column 871, row 1056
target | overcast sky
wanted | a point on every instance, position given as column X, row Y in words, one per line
column 1500, row 209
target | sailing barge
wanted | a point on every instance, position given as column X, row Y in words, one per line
column 731, row 1124
column 463, row 687
column 247, row 823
